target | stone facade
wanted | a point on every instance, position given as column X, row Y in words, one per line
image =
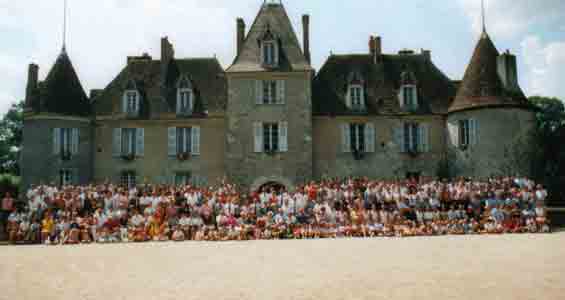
column 502, row 145
column 226, row 106
column 41, row 164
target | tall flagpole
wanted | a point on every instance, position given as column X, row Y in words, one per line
column 65, row 26
column 483, row 15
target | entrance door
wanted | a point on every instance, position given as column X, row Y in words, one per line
column 414, row 176
column 272, row 186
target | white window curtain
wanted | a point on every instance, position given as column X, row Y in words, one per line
column 283, row 136
column 258, row 92
column 398, row 135
column 281, row 93
column 453, row 131
column 424, row 138
column 56, row 140
column 140, row 141
column 74, row 141
column 195, row 140
column 258, row 137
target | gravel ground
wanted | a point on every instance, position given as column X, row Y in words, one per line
column 457, row 267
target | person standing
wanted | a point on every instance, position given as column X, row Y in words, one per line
column 6, row 208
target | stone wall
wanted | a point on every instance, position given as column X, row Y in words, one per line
column 387, row 161
column 156, row 166
column 39, row 164
column 244, row 165
column 502, row 144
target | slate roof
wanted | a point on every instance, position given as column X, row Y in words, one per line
column 481, row 86
column 61, row 92
column 159, row 94
column 382, row 81
column 273, row 17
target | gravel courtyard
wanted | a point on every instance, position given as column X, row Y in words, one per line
column 457, row 267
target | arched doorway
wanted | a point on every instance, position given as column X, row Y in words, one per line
column 271, row 181
column 272, row 186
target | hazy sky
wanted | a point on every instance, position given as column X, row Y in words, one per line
column 103, row 32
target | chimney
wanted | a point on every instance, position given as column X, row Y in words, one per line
column 32, row 76
column 240, row 34
column 375, row 47
column 167, row 54
column 507, row 71
column 306, row 36
column 427, row 54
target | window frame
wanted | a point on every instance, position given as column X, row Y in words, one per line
column 184, row 140
column 271, row 142
column 464, row 131
column 132, row 99
column 356, row 94
column 357, row 137
column 187, row 176
column 66, row 177
column 270, row 92
column 269, row 51
column 411, row 138
column 129, row 141
column 128, row 178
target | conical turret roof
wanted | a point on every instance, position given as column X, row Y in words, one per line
column 481, row 85
column 272, row 20
column 62, row 92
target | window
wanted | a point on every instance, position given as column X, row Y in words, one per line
column 128, row 179
column 269, row 53
column 184, row 140
column 185, row 97
column 65, row 177
column 269, row 92
column 357, row 137
column 131, row 102
column 467, row 132
column 409, row 97
column 464, row 133
column 412, row 137
column 182, row 178
column 66, row 141
column 356, row 96
column 128, row 141
column 271, row 137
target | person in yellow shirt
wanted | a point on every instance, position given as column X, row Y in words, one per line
column 47, row 226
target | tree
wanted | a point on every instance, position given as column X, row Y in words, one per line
column 548, row 161
column 11, row 133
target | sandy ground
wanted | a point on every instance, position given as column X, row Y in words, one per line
column 464, row 267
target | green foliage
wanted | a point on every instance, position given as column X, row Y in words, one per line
column 548, row 163
column 11, row 132
column 9, row 183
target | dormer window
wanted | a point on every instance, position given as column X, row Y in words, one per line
column 355, row 98
column 131, row 100
column 269, row 53
column 185, row 97
column 408, row 97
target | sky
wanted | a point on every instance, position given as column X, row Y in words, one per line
column 102, row 33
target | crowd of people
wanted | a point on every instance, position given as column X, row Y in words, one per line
column 360, row 207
